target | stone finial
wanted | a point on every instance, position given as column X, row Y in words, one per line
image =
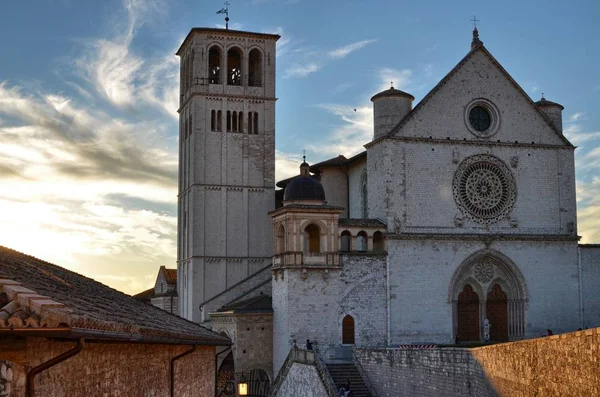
column 475, row 42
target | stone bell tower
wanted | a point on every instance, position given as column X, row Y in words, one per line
column 226, row 161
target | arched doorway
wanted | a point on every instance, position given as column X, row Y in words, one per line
column 497, row 314
column 259, row 384
column 468, row 314
column 226, row 378
column 348, row 330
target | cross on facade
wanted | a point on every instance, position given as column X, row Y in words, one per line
column 474, row 20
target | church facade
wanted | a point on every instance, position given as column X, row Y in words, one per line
column 457, row 223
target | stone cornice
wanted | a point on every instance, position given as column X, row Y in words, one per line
column 208, row 95
column 481, row 237
column 480, row 142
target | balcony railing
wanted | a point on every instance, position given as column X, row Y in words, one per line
column 307, row 259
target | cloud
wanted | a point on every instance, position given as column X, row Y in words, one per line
column 344, row 51
column 124, row 78
column 303, row 70
column 286, row 165
column 577, row 116
column 313, row 61
column 400, row 78
column 348, row 137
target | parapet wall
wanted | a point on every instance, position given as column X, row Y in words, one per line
column 560, row 365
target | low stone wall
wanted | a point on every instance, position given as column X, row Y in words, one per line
column 560, row 365
column 111, row 369
column 422, row 373
column 302, row 380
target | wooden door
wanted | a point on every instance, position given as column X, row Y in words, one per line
column 468, row 314
column 497, row 313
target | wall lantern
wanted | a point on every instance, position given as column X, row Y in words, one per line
column 243, row 386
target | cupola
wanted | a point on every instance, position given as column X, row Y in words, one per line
column 552, row 110
column 389, row 108
column 304, row 188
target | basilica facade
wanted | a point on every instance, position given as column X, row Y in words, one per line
column 460, row 212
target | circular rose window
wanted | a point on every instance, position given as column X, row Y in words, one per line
column 484, row 188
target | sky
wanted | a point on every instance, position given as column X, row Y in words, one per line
column 88, row 104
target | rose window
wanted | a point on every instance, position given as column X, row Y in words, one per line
column 484, row 188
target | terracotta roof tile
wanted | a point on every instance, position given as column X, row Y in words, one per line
column 36, row 298
column 171, row 276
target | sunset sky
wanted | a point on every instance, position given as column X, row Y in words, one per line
column 88, row 104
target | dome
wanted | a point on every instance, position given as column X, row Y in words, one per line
column 304, row 187
column 544, row 102
column 392, row 92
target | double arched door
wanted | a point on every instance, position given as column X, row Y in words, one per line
column 472, row 312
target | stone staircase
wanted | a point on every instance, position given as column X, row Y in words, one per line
column 340, row 372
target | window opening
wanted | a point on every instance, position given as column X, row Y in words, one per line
column 255, row 122
column 378, row 243
column 234, row 67
column 234, row 122
column 312, row 236
column 219, row 121
column 214, row 65
column 346, row 236
column 228, row 121
column 255, row 68
column 213, row 120
column 361, row 241
column 240, row 121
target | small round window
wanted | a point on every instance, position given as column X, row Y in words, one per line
column 480, row 118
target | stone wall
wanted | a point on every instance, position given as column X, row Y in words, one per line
column 117, row 369
column 312, row 306
column 560, row 365
column 302, row 380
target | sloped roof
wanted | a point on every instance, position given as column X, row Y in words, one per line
column 170, row 275
column 349, row 222
column 144, row 296
column 40, row 295
column 257, row 304
column 442, row 82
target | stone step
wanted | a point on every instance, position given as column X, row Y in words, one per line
column 340, row 373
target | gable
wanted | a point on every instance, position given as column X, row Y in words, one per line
column 443, row 113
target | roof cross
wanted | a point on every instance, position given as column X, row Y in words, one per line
column 474, row 20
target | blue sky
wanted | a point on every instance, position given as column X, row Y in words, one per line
column 88, row 97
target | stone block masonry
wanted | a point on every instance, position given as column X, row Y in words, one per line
column 560, row 365
column 109, row 369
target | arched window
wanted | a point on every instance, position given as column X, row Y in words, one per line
column 378, row 243
column 250, row 131
column 229, row 121
column 234, row 67
column 346, row 236
column 213, row 120
column 361, row 241
column 214, row 65
column 348, row 330
column 255, row 68
column 219, row 121
column 240, row 121
column 364, row 197
column 234, row 122
column 312, row 239
column 280, row 246
column 256, row 122
column 191, row 125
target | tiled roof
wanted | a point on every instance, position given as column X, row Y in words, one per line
column 311, row 207
column 361, row 222
column 170, row 275
column 37, row 295
column 258, row 304
column 144, row 296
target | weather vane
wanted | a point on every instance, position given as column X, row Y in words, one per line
column 225, row 10
column 474, row 20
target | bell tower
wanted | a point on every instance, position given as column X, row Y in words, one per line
column 226, row 161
